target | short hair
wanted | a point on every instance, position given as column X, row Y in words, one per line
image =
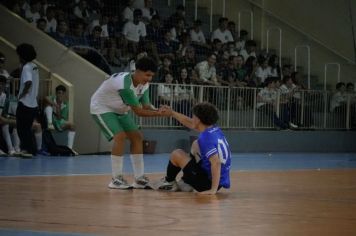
column 61, row 88
column 340, row 84
column 26, row 52
column 349, row 84
column 146, row 64
column 206, row 112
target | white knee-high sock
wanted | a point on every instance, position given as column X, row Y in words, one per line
column 49, row 112
column 7, row 137
column 137, row 164
column 38, row 137
column 16, row 140
column 70, row 141
column 117, row 163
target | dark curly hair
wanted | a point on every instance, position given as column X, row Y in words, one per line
column 26, row 52
column 206, row 112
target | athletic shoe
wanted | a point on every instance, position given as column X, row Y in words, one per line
column 184, row 187
column 164, row 185
column 25, row 154
column 2, row 153
column 12, row 152
column 141, row 182
column 294, row 126
column 119, row 183
column 43, row 152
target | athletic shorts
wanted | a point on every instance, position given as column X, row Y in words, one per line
column 195, row 176
column 112, row 123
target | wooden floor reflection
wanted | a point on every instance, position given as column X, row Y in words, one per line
column 259, row 203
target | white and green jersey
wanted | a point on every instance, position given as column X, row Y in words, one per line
column 117, row 94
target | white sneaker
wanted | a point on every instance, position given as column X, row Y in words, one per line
column 141, row 182
column 164, row 185
column 184, row 187
column 12, row 152
column 294, row 126
column 25, row 154
column 119, row 183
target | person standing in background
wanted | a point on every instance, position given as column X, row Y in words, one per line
column 27, row 107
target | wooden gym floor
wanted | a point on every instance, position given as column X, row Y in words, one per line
column 271, row 194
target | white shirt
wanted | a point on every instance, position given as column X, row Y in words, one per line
column 267, row 95
column 246, row 55
column 224, row 37
column 206, row 72
column 133, row 32
column 127, row 14
column 51, row 26
column 337, row 100
column 29, row 73
column 2, row 101
column 262, row 73
column 197, row 36
column 107, row 99
column 32, row 17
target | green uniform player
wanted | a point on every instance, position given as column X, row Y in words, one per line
column 109, row 107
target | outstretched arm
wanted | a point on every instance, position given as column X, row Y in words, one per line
column 183, row 119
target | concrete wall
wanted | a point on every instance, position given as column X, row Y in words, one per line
column 84, row 76
column 262, row 141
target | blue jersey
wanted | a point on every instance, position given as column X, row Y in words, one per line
column 212, row 141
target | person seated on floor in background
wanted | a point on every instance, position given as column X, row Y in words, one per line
column 207, row 168
column 57, row 114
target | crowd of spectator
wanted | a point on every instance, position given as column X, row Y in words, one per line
column 123, row 31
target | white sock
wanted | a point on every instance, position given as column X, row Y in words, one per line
column 48, row 111
column 7, row 137
column 137, row 164
column 71, row 135
column 117, row 163
column 38, row 137
column 16, row 140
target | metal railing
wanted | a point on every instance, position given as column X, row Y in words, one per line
column 240, row 108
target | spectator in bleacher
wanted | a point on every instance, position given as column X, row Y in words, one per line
column 154, row 30
column 81, row 11
column 61, row 35
column 111, row 52
column 251, row 66
column 166, row 68
column 241, row 72
column 178, row 14
column 297, row 80
column 95, row 40
column 166, row 47
column 27, row 106
column 231, row 49
column 185, row 92
column 167, row 91
column 114, row 26
column 226, row 72
column 51, row 26
column 231, row 26
column 273, row 66
column 128, row 13
column 178, row 30
column 103, row 22
column 207, row 71
column 262, row 71
column 287, row 70
column 266, row 102
column 148, row 11
column 184, row 44
column 291, row 97
column 134, row 31
column 197, row 35
column 57, row 114
column 41, row 24
column 217, row 49
column 3, row 72
column 249, row 50
column 222, row 33
column 339, row 98
column 188, row 61
column 241, row 40
column 33, row 13
column 78, row 36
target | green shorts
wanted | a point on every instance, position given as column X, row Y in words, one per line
column 112, row 123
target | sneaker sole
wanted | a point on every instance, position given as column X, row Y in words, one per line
column 140, row 186
column 121, row 188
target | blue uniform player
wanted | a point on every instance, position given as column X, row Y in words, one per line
column 207, row 168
